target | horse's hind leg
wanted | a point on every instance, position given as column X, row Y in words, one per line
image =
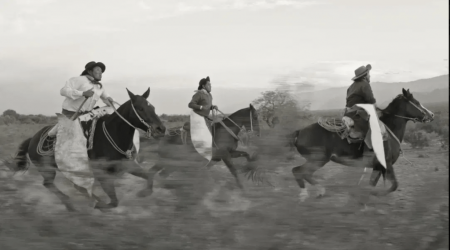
column 305, row 172
column 49, row 175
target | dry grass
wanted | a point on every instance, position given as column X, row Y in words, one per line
column 217, row 216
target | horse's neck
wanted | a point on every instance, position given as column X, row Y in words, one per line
column 120, row 131
column 235, row 118
column 396, row 124
column 390, row 117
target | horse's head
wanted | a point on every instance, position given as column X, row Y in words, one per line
column 409, row 108
column 143, row 115
column 356, row 120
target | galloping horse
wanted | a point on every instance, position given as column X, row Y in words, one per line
column 175, row 153
column 135, row 113
column 319, row 146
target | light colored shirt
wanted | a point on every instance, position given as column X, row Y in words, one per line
column 73, row 91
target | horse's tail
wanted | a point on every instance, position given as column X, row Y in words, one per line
column 20, row 161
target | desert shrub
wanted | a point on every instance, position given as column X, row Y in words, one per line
column 436, row 130
column 418, row 139
column 174, row 118
column 12, row 117
column 11, row 113
column 8, row 120
column 443, row 139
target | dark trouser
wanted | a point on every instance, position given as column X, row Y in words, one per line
column 69, row 114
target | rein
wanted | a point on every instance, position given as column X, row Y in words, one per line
column 409, row 118
column 229, row 130
column 147, row 133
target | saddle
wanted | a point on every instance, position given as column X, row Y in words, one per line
column 337, row 126
column 88, row 124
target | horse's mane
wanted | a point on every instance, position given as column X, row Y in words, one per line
column 238, row 111
column 110, row 117
column 391, row 105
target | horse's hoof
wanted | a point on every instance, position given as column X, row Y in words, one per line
column 144, row 193
column 71, row 209
column 101, row 206
column 320, row 196
column 375, row 193
column 321, row 192
column 254, row 156
column 303, row 197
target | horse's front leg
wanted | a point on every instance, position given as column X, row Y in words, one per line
column 135, row 169
column 390, row 176
column 107, row 183
column 227, row 159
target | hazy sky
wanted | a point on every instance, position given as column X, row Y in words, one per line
column 168, row 45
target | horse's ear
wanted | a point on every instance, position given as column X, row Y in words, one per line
column 404, row 92
column 146, row 94
column 409, row 93
column 132, row 96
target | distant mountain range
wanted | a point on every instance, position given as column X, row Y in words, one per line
column 430, row 90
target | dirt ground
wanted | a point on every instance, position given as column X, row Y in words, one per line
column 413, row 217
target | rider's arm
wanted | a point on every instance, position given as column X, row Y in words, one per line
column 70, row 90
column 194, row 102
column 368, row 93
column 104, row 96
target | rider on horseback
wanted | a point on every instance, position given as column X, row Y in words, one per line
column 78, row 88
column 200, row 124
column 360, row 92
column 86, row 85
column 201, row 102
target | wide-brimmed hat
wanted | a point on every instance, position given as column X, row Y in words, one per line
column 362, row 71
column 91, row 65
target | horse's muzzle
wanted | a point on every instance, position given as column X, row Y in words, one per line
column 158, row 132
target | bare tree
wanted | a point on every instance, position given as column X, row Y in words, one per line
column 278, row 103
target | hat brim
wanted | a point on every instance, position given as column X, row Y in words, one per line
column 99, row 64
column 361, row 75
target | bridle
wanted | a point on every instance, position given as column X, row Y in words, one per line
column 410, row 118
column 147, row 133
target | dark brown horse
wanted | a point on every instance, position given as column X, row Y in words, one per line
column 175, row 153
column 319, row 146
column 105, row 159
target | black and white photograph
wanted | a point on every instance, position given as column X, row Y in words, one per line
column 224, row 124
